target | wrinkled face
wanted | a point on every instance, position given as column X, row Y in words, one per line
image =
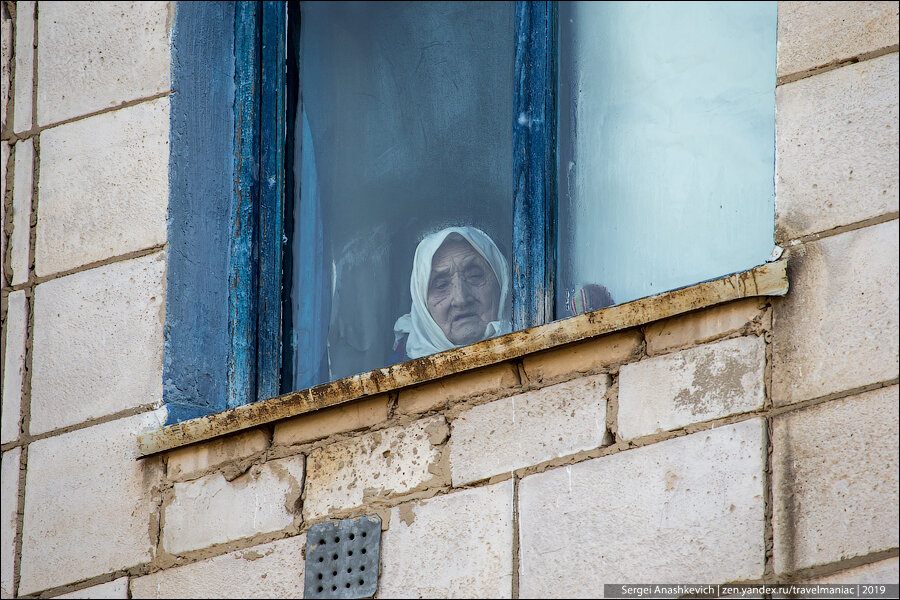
column 463, row 292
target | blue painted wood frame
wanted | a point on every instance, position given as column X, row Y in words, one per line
column 534, row 163
column 242, row 278
column 201, row 184
column 271, row 197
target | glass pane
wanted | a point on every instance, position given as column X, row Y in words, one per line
column 403, row 130
column 667, row 146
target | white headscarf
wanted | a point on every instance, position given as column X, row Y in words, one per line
column 425, row 335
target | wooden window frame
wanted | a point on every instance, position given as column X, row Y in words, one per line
column 257, row 252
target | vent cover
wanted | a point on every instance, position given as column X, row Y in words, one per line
column 342, row 558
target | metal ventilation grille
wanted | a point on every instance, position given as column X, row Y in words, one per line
column 342, row 558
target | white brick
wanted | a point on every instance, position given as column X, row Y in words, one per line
column 13, row 365
column 9, row 498
column 837, row 328
column 884, row 571
column 89, row 506
column 273, row 570
column 4, row 161
column 98, row 342
column 694, row 385
column 20, row 240
column 379, row 464
column 24, row 84
column 454, row 546
column 232, row 451
column 528, row 428
column 117, row 588
column 835, row 480
column 211, row 510
column 687, row 509
column 104, row 187
column 837, row 149
column 6, row 33
column 814, row 34
column 703, row 326
column 95, row 55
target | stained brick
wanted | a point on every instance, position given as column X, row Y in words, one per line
column 458, row 545
column 212, row 510
column 694, row 385
column 837, row 328
column 376, row 465
column 835, row 480
column 522, row 430
column 687, row 509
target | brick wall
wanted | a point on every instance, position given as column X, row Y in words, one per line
column 751, row 441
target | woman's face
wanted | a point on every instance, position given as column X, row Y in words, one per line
column 463, row 291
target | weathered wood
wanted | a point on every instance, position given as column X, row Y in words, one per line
column 271, row 198
column 242, row 283
column 766, row 280
column 201, row 185
column 534, row 164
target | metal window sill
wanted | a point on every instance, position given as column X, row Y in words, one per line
column 766, row 280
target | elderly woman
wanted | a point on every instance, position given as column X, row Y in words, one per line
column 459, row 287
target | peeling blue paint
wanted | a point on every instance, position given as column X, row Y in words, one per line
column 201, row 168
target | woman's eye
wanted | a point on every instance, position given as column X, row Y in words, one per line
column 440, row 285
column 475, row 276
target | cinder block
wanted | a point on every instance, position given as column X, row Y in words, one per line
column 9, row 499
column 438, row 394
column 383, row 463
column 686, row 509
column 582, row 357
column 698, row 384
column 344, row 417
column 814, row 34
column 458, row 545
column 211, row 510
column 94, row 55
column 883, row 571
column 835, row 480
column 274, row 570
column 20, row 240
column 522, row 430
column 836, row 148
column 98, row 342
column 117, row 588
column 23, row 86
column 837, row 328
column 198, row 459
column 702, row 326
column 89, row 506
column 104, row 188
column 13, row 365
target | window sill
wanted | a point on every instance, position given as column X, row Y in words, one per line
column 766, row 280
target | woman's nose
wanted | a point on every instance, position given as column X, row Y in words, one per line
column 460, row 294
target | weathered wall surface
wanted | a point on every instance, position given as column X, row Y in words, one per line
column 754, row 441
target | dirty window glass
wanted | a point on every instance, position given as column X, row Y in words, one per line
column 667, row 142
column 402, row 140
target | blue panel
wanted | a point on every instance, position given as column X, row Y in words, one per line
column 534, row 158
column 242, row 279
column 271, row 198
column 201, row 168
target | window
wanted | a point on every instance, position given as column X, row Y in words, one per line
column 607, row 151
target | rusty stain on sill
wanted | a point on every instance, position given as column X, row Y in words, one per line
column 766, row 280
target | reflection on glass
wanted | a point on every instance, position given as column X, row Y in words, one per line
column 667, row 146
column 403, row 182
